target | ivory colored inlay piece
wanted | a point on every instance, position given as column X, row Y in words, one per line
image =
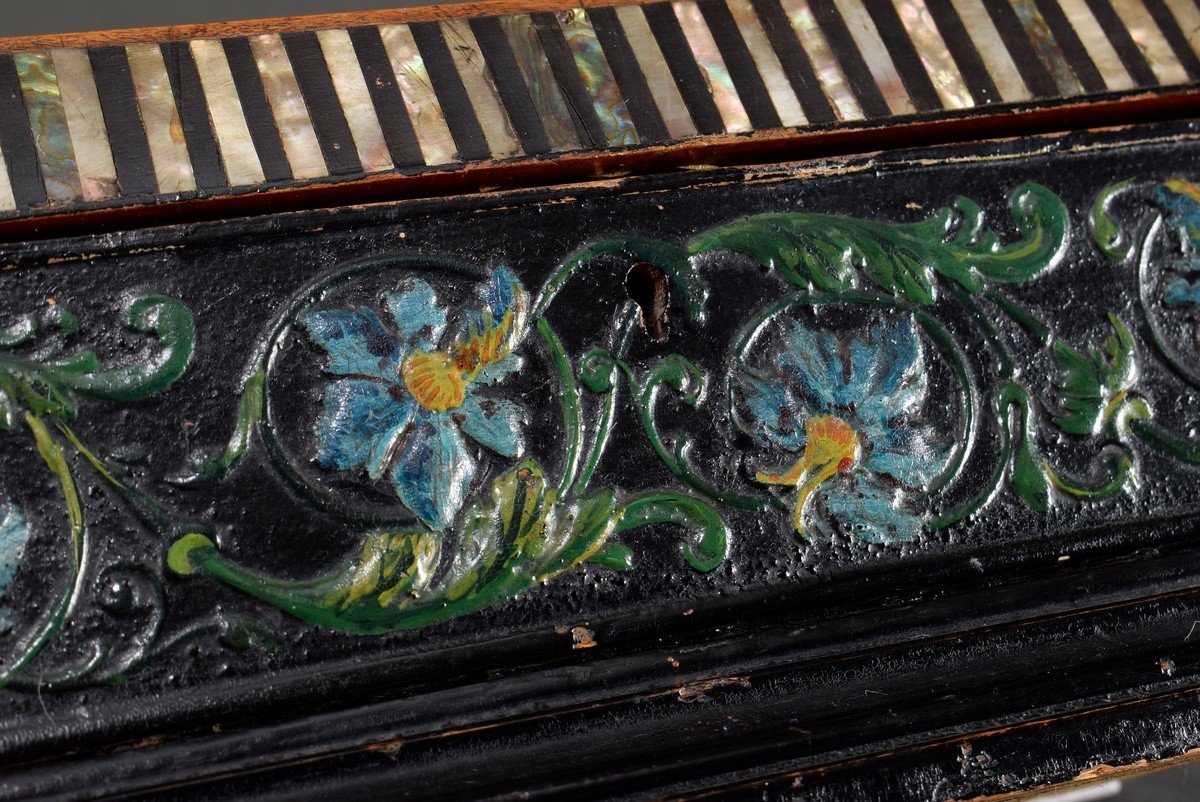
column 7, row 202
column 1151, row 42
column 597, row 77
column 1187, row 15
column 708, row 57
column 874, row 52
column 160, row 118
column 355, row 100
column 89, row 137
column 51, row 137
column 653, row 65
column 295, row 127
column 783, row 97
column 1047, row 47
column 991, row 49
column 1097, row 45
column 548, row 100
column 428, row 120
column 242, row 165
column 481, row 89
column 829, row 72
column 935, row 56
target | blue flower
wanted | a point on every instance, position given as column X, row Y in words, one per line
column 13, row 534
column 850, row 404
column 411, row 393
column 1181, row 201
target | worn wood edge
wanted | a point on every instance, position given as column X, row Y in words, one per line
column 926, row 751
column 1099, row 774
column 756, row 149
column 314, row 22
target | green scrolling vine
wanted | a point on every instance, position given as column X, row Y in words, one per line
column 854, row 425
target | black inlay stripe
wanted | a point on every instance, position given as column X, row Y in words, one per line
column 751, row 89
column 123, row 120
column 324, row 109
column 970, row 64
column 795, row 61
column 386, row 96
column 207, row 166
column 562, row 64
column 448, row 85
column 858, row 74
column 16, row 139
column 260, row 120
column 1175, row 37
column 1072, row 46
column 514, row 94
column 621, row 60
column 904, row 55
column 1122, row 42
column 1037, row 78
column 684, row 69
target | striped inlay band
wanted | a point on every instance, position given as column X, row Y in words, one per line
column 146, row 122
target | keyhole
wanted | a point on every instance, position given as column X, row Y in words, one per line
column 647, row 287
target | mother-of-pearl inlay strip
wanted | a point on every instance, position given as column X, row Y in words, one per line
column 160, row 117
column 85, row 121
column 56, row 155
column 7, row 201
column 287, row 104
column 429, row 123
column 241, row 161
column 118, row 124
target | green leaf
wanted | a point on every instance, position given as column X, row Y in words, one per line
column 1092, row 383
column 18, row 333
column 1028, row 477
column 250, row 411
column 834, row 253
column 170, row 321
column 518, row 535
column 1112, row 241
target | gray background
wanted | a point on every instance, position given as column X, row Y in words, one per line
column 29, row 17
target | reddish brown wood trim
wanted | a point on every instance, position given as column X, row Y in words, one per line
column 316, row 22
column 761, row 148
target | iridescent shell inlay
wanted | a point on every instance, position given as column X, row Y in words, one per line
column 1150, row 41
column 1047, row 48
column 935, row 56
column 295, row 127
column 7, row 201
column 355, row 99
column 783, row 97
column 52, row 138
column 708, row 57
column 828, row 69
column 429, row 123
column 597, row 77
column 160, row 118
column 1187, row 16
column 539, row 78
column 85, row 121
column 241, row 161
column 991, row 49
column 1096, row 43
column 481, row 89
column 650, row 59
column 875, row 54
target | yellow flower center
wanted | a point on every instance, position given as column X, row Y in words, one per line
column 438, row 380
column 832, row 448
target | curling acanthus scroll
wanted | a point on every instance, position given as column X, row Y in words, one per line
column 847, row 405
